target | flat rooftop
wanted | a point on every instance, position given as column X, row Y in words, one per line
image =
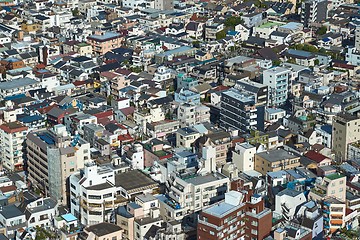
column 276, row 155
column 133, row 180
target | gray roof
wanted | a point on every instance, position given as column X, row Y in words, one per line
column 289, row 192
column 16, row 83
column 10, row 211
column 276, row 155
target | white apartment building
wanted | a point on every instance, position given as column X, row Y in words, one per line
column 243, row 156
column 143, row 116
column 192, row 193
column 190, row 115
column 12, row 137
column 277, row 80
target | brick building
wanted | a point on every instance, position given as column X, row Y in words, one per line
column 239, row 216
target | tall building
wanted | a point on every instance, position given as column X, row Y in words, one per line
column 12, row 136
column 313, row 11
column 277, row 79
column 357, row 37
column 346, row 130
column 238, row 110
column 235, row 218
column 52, row 156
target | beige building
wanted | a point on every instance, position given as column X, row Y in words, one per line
column 186, row 136
column 275, row 160
column 104, row 231
column 52, row 157
column 345, row 130
column 333, row 185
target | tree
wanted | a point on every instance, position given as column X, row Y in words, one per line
column 276, row 62
column 232, row 21
column 75, row 12
column 316, row 62
column 221, row 34
column 321, row 31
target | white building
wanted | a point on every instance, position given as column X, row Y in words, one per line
column 12, row 137
column 287, row 201
column 243, row 156
column 277, row 80
column 273, row 115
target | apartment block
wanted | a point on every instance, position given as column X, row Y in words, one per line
column 277, row 79
column 52, row 156
column 12, row 138
column 345, row 130
column 275, row 160
column 235, row 218
column 313, row 11
column 332, row 185
column 190, row 193
column 104, row 42
column 238, row 110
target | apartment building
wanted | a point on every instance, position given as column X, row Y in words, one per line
column 148, row 115
column 333, row 185
column 190, row 193
column 243, row 156
column 104, row 230
column 104, row 42
column 12, row 137
column 190, row 115
column 345, row 130
column 238, row 110
column 235, row 218
column 185, row 137
column 98, row 190
column 313, row 11
column 17, row 86
column 260, row 90
column 52, row 156
column 334, row 214
column 277, row 79
column 275, row 160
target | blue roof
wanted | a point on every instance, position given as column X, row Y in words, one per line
column 29, row 119
column 69, row 217
column 18, row 96
column 326, row 39
column 326, row 128
column 47, row 138
column 300, row 53
column 232, row 33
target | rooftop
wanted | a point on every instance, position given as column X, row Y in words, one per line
column 334, row 176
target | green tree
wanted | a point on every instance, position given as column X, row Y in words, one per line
column 316, row 62
column 276, row 62
column 321, row 31
column 75, row 12
column 196, row 44
column 221, row 34
column 232, row 21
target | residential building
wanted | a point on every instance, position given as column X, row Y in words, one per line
column 277, row 79
column 52, row 156
column 12, row 138
column 287, row 202
column 104, row 230
column 243, row 156
column 332, row 185
column 104, row 42
column 275, row 160
column 313, row 11
column 185, row 137
column 238, row 110
column 190, row 115
column 345, row 130
column 236, row 217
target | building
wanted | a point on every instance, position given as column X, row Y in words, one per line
column 52, row 156
column 333, row 185
column 12, row 137
column 102, row 231
column 17, row 86
column 98, row 190
column 238, row 110
column 334, row 214
column 191, row 193
column 104, row 42
column 235, row 218
column 313, row 11
column 244, row 156
column 277, row 79
column 287, row 202
column 345, row 130
column 185, row 137
column 275, row 160
column 190, row 115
